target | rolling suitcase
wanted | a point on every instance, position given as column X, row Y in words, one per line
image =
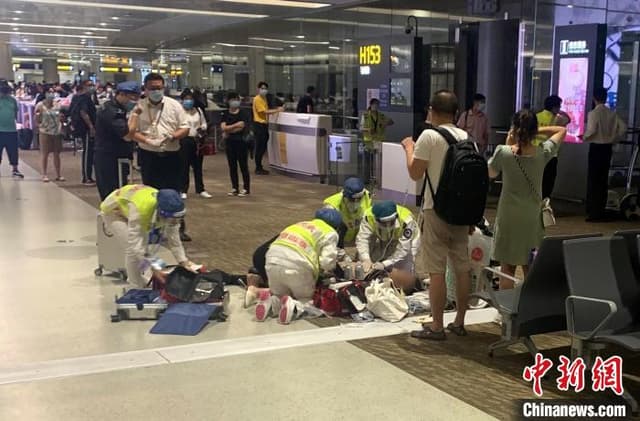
column 110, row 251
column 145, row 304
column 111, row 257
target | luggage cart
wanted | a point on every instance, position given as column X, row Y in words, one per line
column 629, row 205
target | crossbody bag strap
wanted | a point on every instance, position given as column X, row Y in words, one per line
column 534, row 191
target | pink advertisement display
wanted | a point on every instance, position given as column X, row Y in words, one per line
column 572, row 88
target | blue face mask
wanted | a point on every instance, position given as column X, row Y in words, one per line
column 131, row 105
column 234, row 104
column 187, row 104
column 156, row 96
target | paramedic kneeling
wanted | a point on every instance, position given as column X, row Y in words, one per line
column 296, row 259
column 149, row 216
column 388, row 240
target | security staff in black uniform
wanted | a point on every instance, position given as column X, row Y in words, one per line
column 112, row 144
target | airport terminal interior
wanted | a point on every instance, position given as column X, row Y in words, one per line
column 324, row 286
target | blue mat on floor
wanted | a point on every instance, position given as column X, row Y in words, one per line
column 183, row 319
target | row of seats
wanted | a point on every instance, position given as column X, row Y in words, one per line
column 587, row 285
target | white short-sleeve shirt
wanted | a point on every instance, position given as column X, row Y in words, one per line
column 167, row 117
column 432, row 147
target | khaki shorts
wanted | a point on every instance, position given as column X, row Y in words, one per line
column 441, row 241
column 50, row 143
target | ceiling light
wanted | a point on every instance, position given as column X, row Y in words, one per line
column 16, row 29
column 88, row 33
column 285, row 41
column 15, row 18
column 103, row 24
column 224, row 44
column 299, row 36
column 34, row 25
column 348, row 40
column 18, row 12
column 284, row 3
column 333, row 47
column 39, row 34
column 570, row 6
column 25, row 40
column 135, row 7
column 82, row 47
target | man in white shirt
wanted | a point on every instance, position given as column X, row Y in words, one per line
column 161, row 122
column 440, row 241
column 604, row 128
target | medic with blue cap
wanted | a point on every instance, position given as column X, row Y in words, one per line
column 388, row 240
column 351, row 202
column 113, row 145
column 144, row 217
column 294, row 263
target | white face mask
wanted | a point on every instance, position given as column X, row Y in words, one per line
column 264, row 92
column 482, row 106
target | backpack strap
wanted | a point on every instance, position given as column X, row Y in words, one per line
column 448, row 137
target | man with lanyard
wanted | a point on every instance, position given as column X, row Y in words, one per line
column 351, row 202
column 388, row 240
column 160, row 124
column 112, row 142
column 147, row 216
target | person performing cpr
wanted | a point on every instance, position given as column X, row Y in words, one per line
column 148, row 217
column 388, row 240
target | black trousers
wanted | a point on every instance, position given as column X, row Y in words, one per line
column 598, row 179
column 88, row 148
column 549, row 177
column 261, row 133
column 162, row 170
column 260, row 259
column 108, row 173
column 191, row 159
column 238, row 156
column 9, row 141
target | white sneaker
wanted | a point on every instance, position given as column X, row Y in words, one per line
column 290, row 310
column 184, row 196
column 251, row 296
column 205, row 195
column 243, row 193
column 233, row 192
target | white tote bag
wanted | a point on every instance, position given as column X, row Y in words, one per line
column 385, row 301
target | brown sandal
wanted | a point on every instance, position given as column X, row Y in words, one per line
column 457, row 330
column 427, row 333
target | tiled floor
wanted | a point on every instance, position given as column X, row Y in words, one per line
column 53, row 308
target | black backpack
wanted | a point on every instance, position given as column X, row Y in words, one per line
column 462, row 192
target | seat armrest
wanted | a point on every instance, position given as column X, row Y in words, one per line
column 571, row 326
column 492, row 293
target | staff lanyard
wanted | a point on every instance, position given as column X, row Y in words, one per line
column 157, row 120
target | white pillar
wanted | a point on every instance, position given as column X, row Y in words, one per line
column 256, row 68
column 195, row 72
column 6, row 66
column 50, row 70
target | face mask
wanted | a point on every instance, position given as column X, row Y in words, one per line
column 109, row 90
column 92, row 89
column 187, row 104
column 353, row 207
column 234, row 104
column 264, row 92
column 131, row 105
column 386, row 232
column 482, row 106
column 50, row 96
column 374, row 108
column 156, row 96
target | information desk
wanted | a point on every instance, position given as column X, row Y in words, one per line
column 298, row 143
column 396, row 184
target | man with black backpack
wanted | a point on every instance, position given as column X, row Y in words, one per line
column 454, row 199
